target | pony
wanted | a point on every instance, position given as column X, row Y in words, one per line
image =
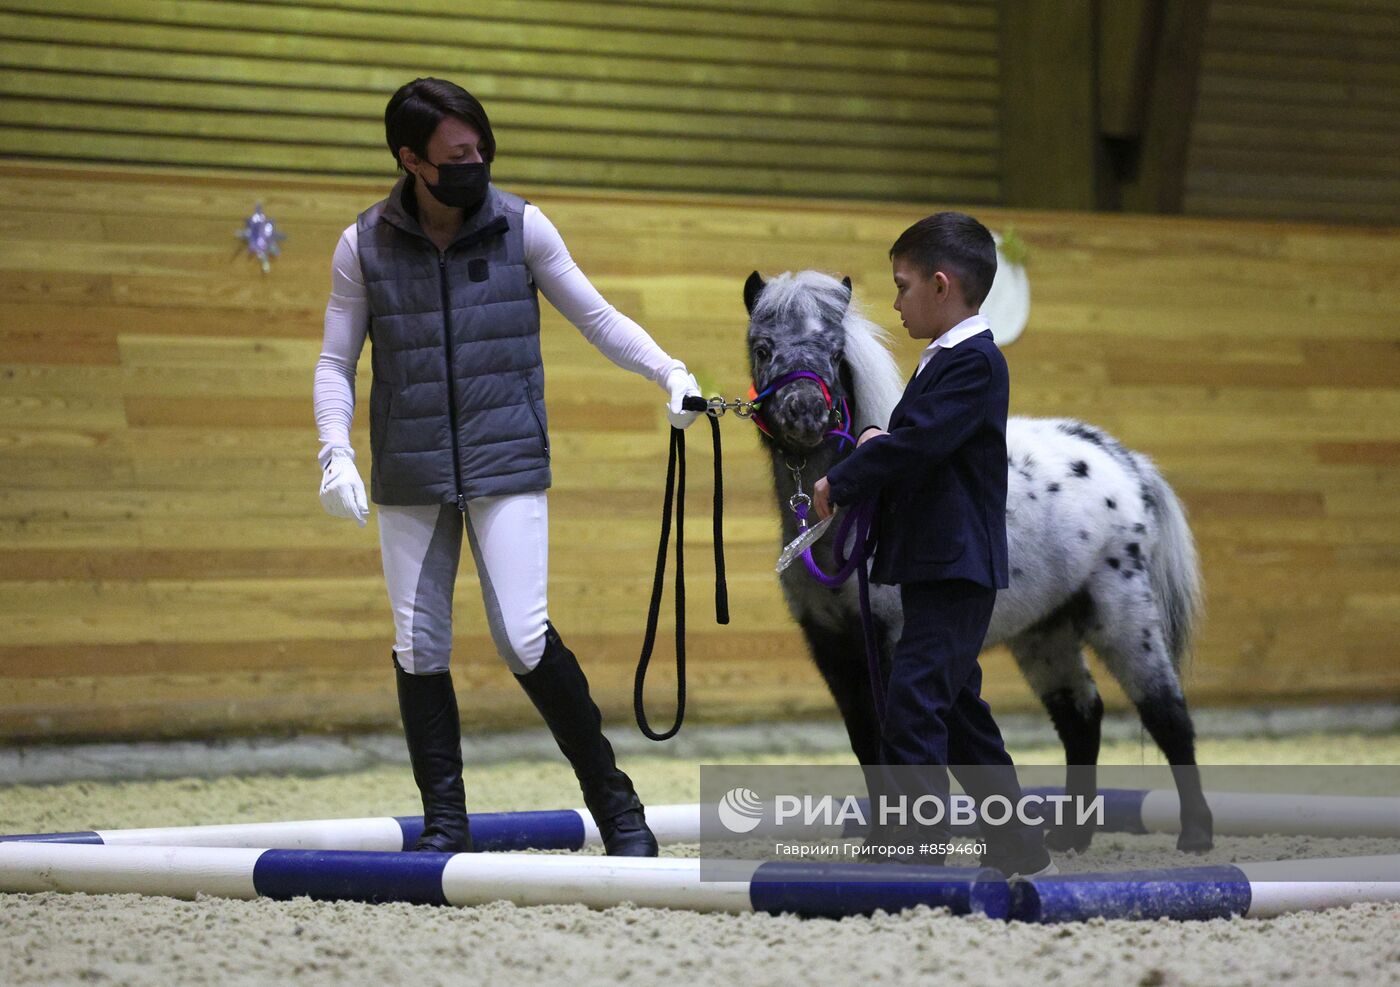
column 1100, row 553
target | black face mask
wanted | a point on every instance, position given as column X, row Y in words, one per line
column 462, row 186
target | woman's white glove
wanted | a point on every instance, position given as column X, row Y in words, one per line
column 681, row 383
column 342, row 490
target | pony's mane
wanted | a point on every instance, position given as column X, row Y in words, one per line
column 876, row 376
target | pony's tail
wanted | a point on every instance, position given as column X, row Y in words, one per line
column 1174, row 568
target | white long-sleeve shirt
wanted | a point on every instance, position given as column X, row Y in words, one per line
column 555, row 273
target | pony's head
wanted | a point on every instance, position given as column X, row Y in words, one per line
column 807, row 323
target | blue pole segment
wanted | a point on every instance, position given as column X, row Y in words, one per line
column 553, row 829
column 548, row 829
column 1122, row 808
column 1122, row 812
column 87, row 837
column 818, row 890
column 855, row 828
column 412, row 827
column 1175, row 893
column 351, row 875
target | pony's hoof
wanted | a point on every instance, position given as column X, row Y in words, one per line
column 1064, row 839
column 1195, row 839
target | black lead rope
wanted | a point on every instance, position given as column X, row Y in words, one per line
column 717, row 512
column 675, row 497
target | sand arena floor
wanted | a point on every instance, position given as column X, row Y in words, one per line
column 63, row 939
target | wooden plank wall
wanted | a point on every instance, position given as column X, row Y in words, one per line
column 165, row 567
column 893, row 99
column 1298, row 113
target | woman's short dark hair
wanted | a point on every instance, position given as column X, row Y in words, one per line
column 415, row 111
column 952, row 240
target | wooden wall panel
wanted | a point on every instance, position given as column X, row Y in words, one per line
column 165, row 567
column 1298, row 114
column 1049, row 113
column 896, row 99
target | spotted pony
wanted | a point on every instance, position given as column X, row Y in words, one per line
column 1100, row 553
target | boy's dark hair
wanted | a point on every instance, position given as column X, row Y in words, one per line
column 415, row 111
column 956, row 241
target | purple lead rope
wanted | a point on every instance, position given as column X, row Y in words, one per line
column 860, row 519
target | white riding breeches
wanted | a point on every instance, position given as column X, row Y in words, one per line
column 421, row 548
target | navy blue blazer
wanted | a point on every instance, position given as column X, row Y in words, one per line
column 940, row 475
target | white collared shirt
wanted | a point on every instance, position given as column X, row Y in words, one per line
column 965, row 329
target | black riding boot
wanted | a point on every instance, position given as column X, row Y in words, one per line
column 559, row 690
column 434, row 734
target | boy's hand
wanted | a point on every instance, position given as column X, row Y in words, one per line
column 869, row 434
column 821, row 499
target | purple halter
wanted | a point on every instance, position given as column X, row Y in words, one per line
column 841, row 416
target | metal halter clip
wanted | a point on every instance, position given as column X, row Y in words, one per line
column 717, row 406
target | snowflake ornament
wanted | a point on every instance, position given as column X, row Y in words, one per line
column 261, row 236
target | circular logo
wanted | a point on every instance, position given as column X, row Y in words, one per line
column 740, row 810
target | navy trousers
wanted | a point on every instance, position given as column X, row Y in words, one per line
column 934, row 711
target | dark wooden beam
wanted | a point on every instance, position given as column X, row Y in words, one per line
column 1127, row 42
column 1097, row 99
column 1158, row 183
column 1049, row 129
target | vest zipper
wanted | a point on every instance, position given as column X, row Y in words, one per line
column 451, row 381
column 539, row 425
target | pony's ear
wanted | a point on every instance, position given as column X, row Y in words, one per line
column 847, row 282
column 753, row 287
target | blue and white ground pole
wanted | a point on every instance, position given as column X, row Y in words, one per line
column 805, row 889
column 362, row 859
column 1126, row 811
column 1254, row 890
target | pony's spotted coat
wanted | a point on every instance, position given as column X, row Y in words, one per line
column 1099, row 549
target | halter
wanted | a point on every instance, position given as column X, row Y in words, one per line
column 840, row 415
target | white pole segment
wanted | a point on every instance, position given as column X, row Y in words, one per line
column 1250, row 814
column 670, row 823
column 597, row 882
column 1282, row 886
column 371, row 833
column 178, row 872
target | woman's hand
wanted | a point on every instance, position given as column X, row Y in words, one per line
column 342, row 490
column 681, row 383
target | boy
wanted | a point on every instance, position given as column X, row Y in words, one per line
column 940, row 475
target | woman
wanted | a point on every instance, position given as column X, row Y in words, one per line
column 443, row 276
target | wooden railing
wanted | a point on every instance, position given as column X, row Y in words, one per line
column 895, row 99
column 165, row 567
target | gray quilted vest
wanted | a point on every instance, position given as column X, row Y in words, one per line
column 456, row 407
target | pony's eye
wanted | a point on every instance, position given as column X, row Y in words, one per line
column 762, row 351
